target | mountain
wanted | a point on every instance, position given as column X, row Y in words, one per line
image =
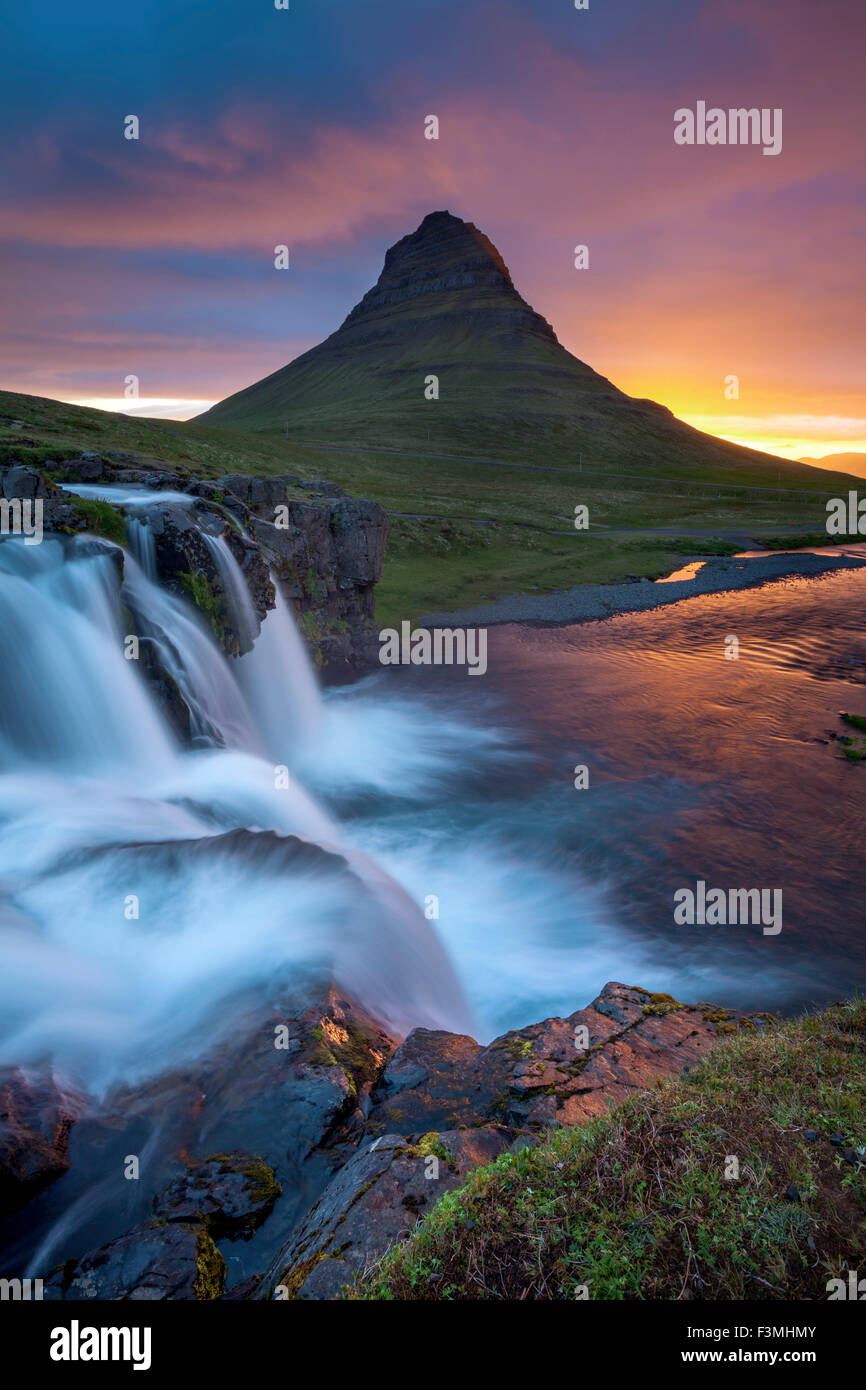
column 842, row 463
column 445, row 305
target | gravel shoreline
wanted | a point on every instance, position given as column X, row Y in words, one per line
column 588, row 602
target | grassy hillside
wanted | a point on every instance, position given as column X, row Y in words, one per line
column 637, row 1204
column 445, row 306
column 463, row 530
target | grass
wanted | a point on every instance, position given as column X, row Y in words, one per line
column 637, row 1205
column 438, row 555
column 101, row 518
column 211, row 604
column 437, row 564
column 802, row 542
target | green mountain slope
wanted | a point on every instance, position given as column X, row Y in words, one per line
column 445, row 306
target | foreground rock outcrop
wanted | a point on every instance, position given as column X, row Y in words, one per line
column 445, row 1105
column 308, row 1141
column 386, row 1187
column 151, row 1263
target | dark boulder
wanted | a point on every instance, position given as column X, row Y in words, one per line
column 152, row 1262
column 231, row 1193
column 21, row 480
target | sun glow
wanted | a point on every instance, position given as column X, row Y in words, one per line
column 148, row 407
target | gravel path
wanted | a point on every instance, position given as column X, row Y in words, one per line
column 589, row 601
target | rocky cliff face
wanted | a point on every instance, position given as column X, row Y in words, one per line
column 425, row 268
column 324, row 548
column 296, row 1166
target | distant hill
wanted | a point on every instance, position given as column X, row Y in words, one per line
column 445, row 305
column 841, row 463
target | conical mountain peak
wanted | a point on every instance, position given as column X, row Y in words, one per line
column 449, row 267
column 444, row 355
column 446, row 239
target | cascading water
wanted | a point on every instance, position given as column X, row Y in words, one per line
column 145, row 884
column 68, row 700
column 142, row 545
column 102, row 808
column 207, row 684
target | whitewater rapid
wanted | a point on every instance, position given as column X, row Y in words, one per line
column 144, row 886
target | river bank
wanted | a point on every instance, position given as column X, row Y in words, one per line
column 590, row 602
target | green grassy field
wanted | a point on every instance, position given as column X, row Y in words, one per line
column 464, row 531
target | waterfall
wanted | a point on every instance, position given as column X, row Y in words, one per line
column 142, row 544
column 205, row 680
column 68, row 699
column 144, row 885
column 239, row 600
column 277, row 677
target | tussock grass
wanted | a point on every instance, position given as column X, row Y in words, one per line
column 636, row 1204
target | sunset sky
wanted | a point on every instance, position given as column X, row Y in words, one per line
column 306, row 127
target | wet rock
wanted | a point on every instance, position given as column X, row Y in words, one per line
column 375, row 1199
column 188, row 567
column 282, row 1085
column 438, row 1080
column 36, row 1116
column 255, row 570
column 165, row 688
column 240, row 1292
column 362, row 1136
column 203, row 487
column 327, row 555
column 150, row 1263
column 443, row 1096
column 283, row 1092
column 231, row 1193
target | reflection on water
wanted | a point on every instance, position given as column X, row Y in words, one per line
column 699, row 767
column 702, row 767
column 687, row 572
